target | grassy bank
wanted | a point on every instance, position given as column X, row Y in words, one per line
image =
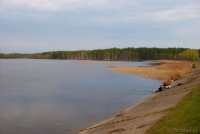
column 184, row 118
column 170, row 70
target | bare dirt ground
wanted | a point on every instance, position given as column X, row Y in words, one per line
column 139, row 118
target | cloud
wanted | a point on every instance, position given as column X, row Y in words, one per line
column 54, row 5
column 186, row 12
column 173, row 14
column 97, row 23
column 127, row 11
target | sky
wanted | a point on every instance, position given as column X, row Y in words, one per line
column 30, row 26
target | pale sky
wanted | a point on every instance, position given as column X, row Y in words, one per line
column 29, row 26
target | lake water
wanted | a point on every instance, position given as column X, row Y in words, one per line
column 62, row 97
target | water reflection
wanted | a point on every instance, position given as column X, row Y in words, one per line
column 59, row 97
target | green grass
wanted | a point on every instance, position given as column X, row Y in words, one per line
column 184, row 118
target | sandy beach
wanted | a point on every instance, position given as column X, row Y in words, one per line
column 139, row 118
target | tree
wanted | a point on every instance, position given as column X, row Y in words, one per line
column 126, row 54
column 189, row 54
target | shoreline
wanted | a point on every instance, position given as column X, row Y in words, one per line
column 99, row 62
column 168, row 71
column 140, row 117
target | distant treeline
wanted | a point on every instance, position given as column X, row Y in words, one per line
column 125, row 54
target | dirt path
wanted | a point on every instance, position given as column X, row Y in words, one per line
column 139, row 118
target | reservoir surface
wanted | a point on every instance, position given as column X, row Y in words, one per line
column 62, row 97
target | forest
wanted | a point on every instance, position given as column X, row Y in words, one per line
column 115, row 54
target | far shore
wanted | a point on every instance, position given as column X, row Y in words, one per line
column 140, row 117
column 99, row 62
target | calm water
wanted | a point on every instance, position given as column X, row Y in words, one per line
column 61, row 97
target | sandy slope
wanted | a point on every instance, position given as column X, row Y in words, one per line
column 139, row 118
